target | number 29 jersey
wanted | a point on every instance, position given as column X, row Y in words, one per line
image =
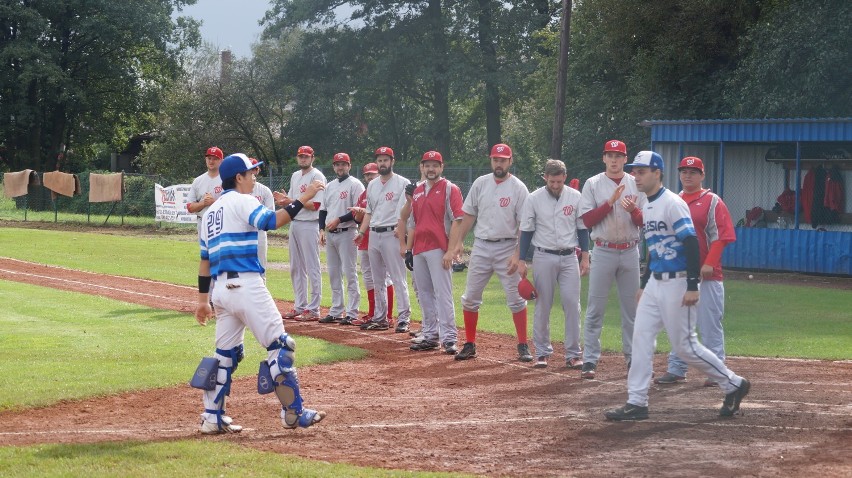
column 228, row 237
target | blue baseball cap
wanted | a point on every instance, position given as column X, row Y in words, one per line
column 647, row 159
column 236, row 164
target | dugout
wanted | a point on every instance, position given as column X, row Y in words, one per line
column 797, row 171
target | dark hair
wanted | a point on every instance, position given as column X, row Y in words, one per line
column 230, row 183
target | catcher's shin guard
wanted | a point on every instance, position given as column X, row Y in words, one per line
column 214, row 400
column 283, row 375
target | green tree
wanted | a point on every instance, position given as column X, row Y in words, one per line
column 79, row 72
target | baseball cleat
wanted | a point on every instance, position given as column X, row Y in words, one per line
column 376, row 325
column 733, row 399
column 347, row 320
column 401, row 327
column 588, row 370
column 450, row 348
column 710, row 383
column 424, row 345
column 212, row 428
column 306, row 419
column 308, row 317
column 329, row 319
column 627, row 412
column 541, row 362
column 669, row 378
column 292, row 314
column 574, row 363
column 468, row 351
column 524, row 354
column 363, row 320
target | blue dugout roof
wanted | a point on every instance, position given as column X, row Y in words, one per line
column 750, row 130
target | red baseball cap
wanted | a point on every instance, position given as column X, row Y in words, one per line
column 305, row 150
column 526, row 289
column 432, row 156
column 341, row 158
column 214, row 151
column 615, row 146
column 691, row 162
column 384, row 150
column 371, row 168
column 501, row 150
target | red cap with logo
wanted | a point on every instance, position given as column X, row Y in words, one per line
column 371, row 168
column 691, row 162
column 616, row 146
column 305, row 150
column 214, row 151
column 341, row 158
column 501, row 150
column 526, row 289
column 432, row 156
column 384, row 150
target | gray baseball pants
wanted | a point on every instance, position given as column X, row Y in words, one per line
column 340, row 254
column 435, row 294
column 305, row 265
column 550, row 271
column 486, row 259
column 709, row 311
column 385, row 260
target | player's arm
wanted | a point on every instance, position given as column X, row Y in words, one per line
column 583, row 240
column 286, row 214
column 643, row 280
column 363, row 227
column 595, row 216
column 456, row 241
column 203, row 311
column 690, row 245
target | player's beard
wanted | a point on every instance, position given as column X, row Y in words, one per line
column 385, row 170
column 555, row 194
column 433, row 176
column 500, row 173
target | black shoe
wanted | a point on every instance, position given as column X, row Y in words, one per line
column 329, row 319
column 524, row 354
column 401, row 327
column 733, row 399
column 450, row 348
column 347, row 320
column 588, row 370
column 376, row 325
column 425, row 345
column 468, row 351
column 627, row 412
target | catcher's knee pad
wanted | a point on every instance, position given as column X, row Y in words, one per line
column 228, row 360
column 280, row 376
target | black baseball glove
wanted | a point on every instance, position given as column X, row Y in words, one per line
column 409, row 260
column 409, row 189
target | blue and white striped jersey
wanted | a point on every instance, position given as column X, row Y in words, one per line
column 667, row 224
column 229, row 233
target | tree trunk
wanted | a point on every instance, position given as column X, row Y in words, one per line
column 561, row 79
column 440, row 84
column 489, row 60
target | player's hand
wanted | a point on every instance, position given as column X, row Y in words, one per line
column 358, row 213
column 311, row 190
column 280, row 198
column 332, row 225
column 639, row 295
column 690, row 298
column 203, row 312
column 409, row 189
column 358, row 238
column 615, row 195
column 447, row 260
column 208, row 199
column 522, row 268
column 584, row 264
column 409, row 260
column 706, row 271
column 628, row 204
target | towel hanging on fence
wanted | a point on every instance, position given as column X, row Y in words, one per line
column 15, row 184
column 61, row 183
column 106, row 187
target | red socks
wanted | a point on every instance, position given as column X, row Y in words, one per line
column 390, row 301
column 520, row 319
column 371, row 300
column 470, row 320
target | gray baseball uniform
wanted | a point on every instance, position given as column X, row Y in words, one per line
column 615, row 256
column 340, row 250
column 202, row 185
column 264, row 196
column 555, row 222
column 304, row 245
column 497, row 207
column 384, row 202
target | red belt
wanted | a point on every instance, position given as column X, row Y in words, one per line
column 616, row 245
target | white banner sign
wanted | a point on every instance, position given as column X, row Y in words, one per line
column 171, row 204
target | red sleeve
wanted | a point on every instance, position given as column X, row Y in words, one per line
column 596, row 215
column 456, row 202
column 636, row 217
column 714, row 255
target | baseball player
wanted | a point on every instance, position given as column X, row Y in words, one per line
column 337, row 220
column 611, row 208
column 229, row 251
column 551, row 223
column 304, row 241
column 667, row 296
column 495, row 202
column 264, row 196
column 371, row 172
column 436, row 207
column 206, row 188
column 385, row 197
column 715, row 230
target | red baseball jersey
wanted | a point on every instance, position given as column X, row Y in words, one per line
column 712, row 223
column 433, row 211
column 362, row 202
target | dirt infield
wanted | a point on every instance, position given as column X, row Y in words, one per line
column 493, row 415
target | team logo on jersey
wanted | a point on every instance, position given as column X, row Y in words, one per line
column 568, row 210
column 302, row 188
column 651, row 226
column 504, row 202
column 631, row 197
column 217, row 190
column 344, row 194
column 419, row 195
column 389, row 196
column 259, row 199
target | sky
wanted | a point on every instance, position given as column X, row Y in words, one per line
column 229, row 24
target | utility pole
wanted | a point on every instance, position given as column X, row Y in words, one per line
column 561, row 80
